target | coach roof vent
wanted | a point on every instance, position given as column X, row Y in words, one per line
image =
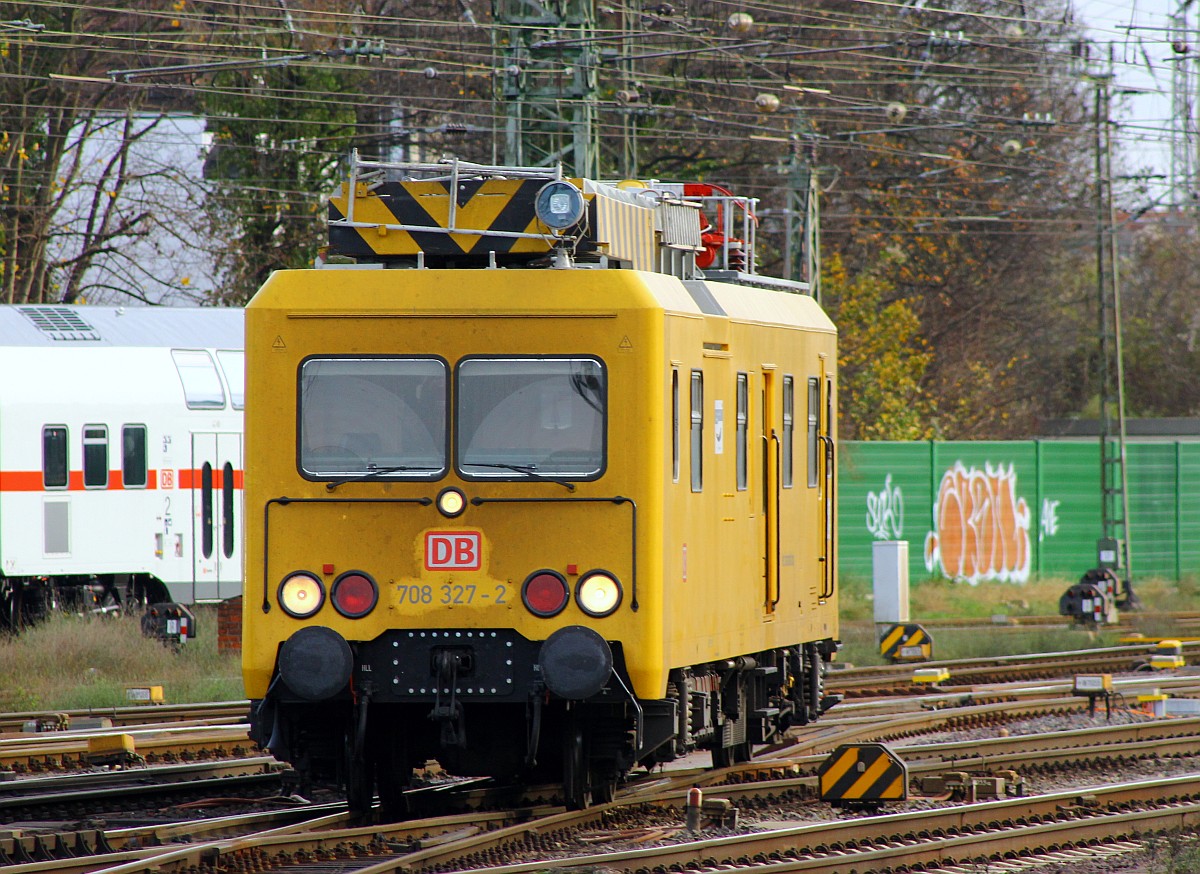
column 59, row 323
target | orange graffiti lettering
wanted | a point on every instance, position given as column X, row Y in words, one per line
column 981, row 527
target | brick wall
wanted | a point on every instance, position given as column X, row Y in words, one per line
column 229, row 626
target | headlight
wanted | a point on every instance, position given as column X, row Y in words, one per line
column 354, row 594
column 598, row 593
column 451, row 502
column 559, row 205
column 545, row 593
column 301, row 595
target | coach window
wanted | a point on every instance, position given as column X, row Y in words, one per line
column 206, row 509
column 201, row 385
column 674, row 426
column 814, row 416
column 530, row 417
column 233, row 365
column 743, row 426
column 133, row 456
column 379, row 417
column 789, row 427
column 95, row 456
column 54, row 457
column 227, row 510
column 697, row 431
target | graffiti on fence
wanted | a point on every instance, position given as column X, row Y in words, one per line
column 1049, row 524
column 885, row 512
column 981, row 526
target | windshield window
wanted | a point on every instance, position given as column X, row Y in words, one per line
column 364, row 415
column 543, row 414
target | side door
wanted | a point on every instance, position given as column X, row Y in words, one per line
column 216, row 515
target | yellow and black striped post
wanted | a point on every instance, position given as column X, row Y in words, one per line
column 907, row 642
column 862, row 775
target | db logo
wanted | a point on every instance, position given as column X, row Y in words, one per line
column 166, row 478
column 452, row 550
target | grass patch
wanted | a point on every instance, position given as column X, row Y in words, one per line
column 79, row 663
column 936, row 599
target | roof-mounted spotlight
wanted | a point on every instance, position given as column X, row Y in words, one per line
column 559, row 205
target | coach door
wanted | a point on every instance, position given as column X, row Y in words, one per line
column 216, row 515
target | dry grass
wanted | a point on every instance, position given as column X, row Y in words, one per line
column 77, row 663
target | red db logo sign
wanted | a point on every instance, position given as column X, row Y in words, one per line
column 452, row 550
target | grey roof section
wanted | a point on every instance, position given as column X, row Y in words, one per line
column 64, row 326
column 703, row 297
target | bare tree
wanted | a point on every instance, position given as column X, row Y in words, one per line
column 80, row 202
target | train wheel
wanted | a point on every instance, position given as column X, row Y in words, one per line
column 723, row 757
column 604, row 788
column 577, row 789
column 360, row 777
column 10, row 608
column 360, row 791
column 393, row 776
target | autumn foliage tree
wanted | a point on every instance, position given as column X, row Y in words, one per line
column 882, row 360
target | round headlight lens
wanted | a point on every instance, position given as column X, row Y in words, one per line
column 301, row 595
column 559, row 204
column 354, row 594
column 545, row 593
column 451, row 502
column 598, row 594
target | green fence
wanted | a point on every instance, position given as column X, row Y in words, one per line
column 1005, row 510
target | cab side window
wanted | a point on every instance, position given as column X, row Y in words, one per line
column 789, row 415
column 743, row 429
column 814, row 416
column 675, row 426
column 697, row 432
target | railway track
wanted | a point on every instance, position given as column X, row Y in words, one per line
column 649, row 812
column 885, row 680
column 216, row 712
column 500, row 845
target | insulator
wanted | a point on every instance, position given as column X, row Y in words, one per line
column 740, row 22
column 766, row 102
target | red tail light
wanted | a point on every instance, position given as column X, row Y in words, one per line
column 545, row 593
column 354, row 594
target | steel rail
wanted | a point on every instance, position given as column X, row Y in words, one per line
column 763, row 847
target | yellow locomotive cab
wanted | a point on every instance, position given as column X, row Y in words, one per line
column 529, row 492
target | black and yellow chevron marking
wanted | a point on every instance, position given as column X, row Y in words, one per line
column 906, row 643
column 862, row 773
column 480, row 204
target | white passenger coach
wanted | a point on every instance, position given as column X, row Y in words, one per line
column 120, row 457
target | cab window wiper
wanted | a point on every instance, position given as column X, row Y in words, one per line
column 529, row 470
column 375, row 473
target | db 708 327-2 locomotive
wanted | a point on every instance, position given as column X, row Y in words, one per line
column 120, row 457
column 541, row 485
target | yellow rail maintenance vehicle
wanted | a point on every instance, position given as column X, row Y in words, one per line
column 540, row 485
